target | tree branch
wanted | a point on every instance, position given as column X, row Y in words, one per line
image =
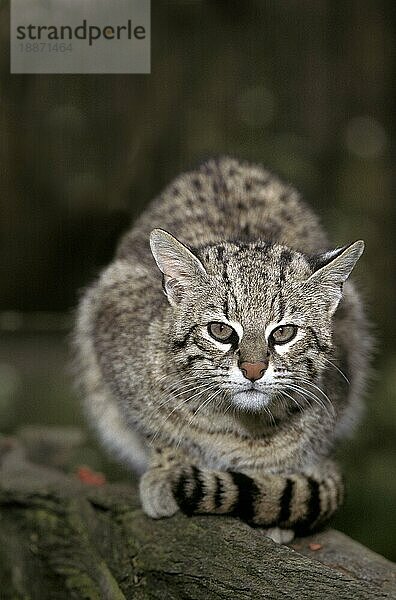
column 61, row 539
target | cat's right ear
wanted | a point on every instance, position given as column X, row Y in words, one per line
column 181, row 269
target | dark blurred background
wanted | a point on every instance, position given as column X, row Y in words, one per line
column 304, row 86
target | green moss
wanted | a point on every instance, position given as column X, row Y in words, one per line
column 45, row 520
column 82, row 584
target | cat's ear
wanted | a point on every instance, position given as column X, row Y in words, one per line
column 181, row 269
column 333, row 269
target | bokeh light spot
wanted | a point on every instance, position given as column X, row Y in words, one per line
column 365, row 137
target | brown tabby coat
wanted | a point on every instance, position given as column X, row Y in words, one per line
column 236, row 247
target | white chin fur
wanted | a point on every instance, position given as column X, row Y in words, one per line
column 252, row 400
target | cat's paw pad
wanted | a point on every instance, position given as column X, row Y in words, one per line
column 156, row 494
column 280, row 536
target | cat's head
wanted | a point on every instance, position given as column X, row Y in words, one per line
column 252, row 320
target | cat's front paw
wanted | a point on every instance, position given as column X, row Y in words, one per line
column 278, row 535
column 156, row 494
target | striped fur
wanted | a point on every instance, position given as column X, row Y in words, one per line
column 297, row 501
column 233, row 244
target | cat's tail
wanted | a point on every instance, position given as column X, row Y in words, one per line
column 298, row 501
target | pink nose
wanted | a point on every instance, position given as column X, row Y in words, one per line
column 253, row 370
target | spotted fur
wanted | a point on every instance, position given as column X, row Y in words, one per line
column 238, row 246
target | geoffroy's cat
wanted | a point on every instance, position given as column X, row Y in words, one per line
column 225, row 364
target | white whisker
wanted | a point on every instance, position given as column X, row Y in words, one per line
column 204, row 403
column 337, row 369
column 300, row 408
column 179, row 405
column 307, row 394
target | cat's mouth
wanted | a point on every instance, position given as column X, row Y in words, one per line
column 251, row 399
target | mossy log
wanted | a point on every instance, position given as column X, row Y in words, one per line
column 61, row 539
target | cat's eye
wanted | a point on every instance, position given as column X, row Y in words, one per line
column 283, row 334
column 222, row 333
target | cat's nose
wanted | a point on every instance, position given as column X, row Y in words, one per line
column 253, row 370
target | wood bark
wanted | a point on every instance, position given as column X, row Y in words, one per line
column 61, row 539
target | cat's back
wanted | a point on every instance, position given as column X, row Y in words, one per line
column 225, row 199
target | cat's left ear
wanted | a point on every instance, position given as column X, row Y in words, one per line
column 181, row 269
column 333, row 269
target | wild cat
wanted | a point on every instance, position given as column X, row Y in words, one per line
column 225, row 364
